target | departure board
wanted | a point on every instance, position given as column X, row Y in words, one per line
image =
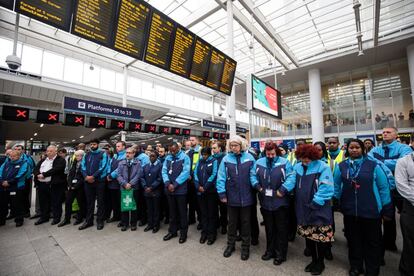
column 131, row 28
column 159, row 40
column 182, row 52
column 201, row 59
column 93, row 20
column 57, row 13
column 227, row 78
column 7, row 4
column 215, row 69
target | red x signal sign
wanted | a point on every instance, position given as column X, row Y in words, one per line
column 21, row 113
column 120, row 124
column 52, row 117
column 78, row 120
column 101, row 122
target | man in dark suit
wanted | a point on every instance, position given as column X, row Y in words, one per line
column 51, row 180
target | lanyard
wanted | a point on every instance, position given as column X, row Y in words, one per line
column 356, row 172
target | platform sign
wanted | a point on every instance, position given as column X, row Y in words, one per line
column 213, row 124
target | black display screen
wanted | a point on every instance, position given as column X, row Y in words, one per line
column 182, row 52
column 216, row 135
column 227, row 79
column 74, row 120
column 47, row 117
column 14, row 113
column 135, row 126
column 116, row 124
column 206, row 134
column 7, row 4
column 94, row 20
column 175, row 131
column 132, row 23
column 150, row 128
column 200, row 62
column 215, row 69
column 164, row 129
column 187, row 132
column 97, row 122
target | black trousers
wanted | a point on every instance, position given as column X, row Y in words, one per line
column 95, row 191
column 16, row 200
column 318, row 250
column 165, row 211
column 407, row 230
column 153, row 210
column 141, row 206
column 193, row 207
column 208, row 203
column 243, row 215
column 44, row 200
column 390, row 227
column 364, row 243
column 27, row 191
column 276, row 227
column 292, row 218
column 113, row 203
column 254, row 222
column 131, row 216
column 79, row 194
column 57, row 194
column 223, row 214
column 178, row 214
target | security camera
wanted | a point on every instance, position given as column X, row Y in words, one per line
column 14, row 62
column 91, row 67
column 220, row 113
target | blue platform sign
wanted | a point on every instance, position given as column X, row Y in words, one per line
column 95, row 108
column 241, row 129
column 212, row 124
column 255, row 145
column 290, row 143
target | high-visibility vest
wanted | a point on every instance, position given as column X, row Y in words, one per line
column 292, row 158
column 333, row 162
column 196, row 157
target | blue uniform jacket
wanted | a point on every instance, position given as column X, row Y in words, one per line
column 313, row 193
column 143, row 158
column 176, row 170
column 205, row 174
column 362, row 187
column 112, row 169
column 94, row 163
column 153, row 179
column 14, row 172
column 30, row 165
column 271, row 177
column 219, row 157
column 236, row 178
column 390, row 153
column 133, row 177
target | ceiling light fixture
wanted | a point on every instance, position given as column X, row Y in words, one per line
column 42, row 125
column 81, row 137
column 35, row 134
column 93, row 129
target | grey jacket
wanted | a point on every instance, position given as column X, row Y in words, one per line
column 132, row 173
column 404, row 177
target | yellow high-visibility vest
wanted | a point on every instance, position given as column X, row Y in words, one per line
column 332, row 162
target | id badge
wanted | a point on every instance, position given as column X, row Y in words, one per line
column 269, row 192
column 170, row 172
column 74, row 181
column 12, row 193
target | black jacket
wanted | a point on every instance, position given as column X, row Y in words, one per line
column 57, row 172
column 75, row 177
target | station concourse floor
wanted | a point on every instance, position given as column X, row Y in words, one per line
column 49, row 250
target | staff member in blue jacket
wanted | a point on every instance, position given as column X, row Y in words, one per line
column 272, row 171
column 235, row 180
column 28, row 186
column 143, row 158
column 94, row 171
column 175, row 173
column 362, row 188
column 313, row 183
column 130, row 176
column 113, row 185
column 389, row 153
column 152, row 191
column 12, row 183
column 219, row 151
column 205, row 174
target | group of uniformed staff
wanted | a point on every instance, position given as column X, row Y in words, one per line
column 192, row 183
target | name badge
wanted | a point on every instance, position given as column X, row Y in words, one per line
column 149, row 174
column 12, row 193
column 18, row 166
column 269, row 192
column 209, row 165
column 74, row 181
column 170, row 172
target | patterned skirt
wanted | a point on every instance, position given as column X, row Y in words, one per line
column 323, row 233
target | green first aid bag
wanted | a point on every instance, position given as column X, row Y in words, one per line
column 127, row 201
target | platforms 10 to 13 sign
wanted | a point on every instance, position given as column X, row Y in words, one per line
column 135, row 28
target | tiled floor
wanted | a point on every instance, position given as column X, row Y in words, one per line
column 48, row 250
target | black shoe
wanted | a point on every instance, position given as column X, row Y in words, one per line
column 77, row 222
column 244, row 255
column 123, row 228
column 119, row 224
column 355, row 272
column 27, row 215
column 203, row 239
column 40, row 221
column 142, row 223
column 223, row 230
column 133, row 227
column 148, row 228
column 10, row 216
column 183, row 239
column 278, row 261
column 54, row 222
column 211, row 241
column 155, row 229
column 100, row 226
column 85, row 225
column 267, row 256
column 318, row 268
column 254, row 242
column 191, row 221
column 309, row 267
column 328, row 254
column 64, row 222
column 382, row 262
column 19, row 224
column 391, row 247
column 238, row 238
column 35, row 216
column 291, row 237
column 199, row 226
column 2, row 223
column 307, row 252
column 229, row 250
column 169, row 236
column 166, row 221
column 111, row 220
column 262, row 223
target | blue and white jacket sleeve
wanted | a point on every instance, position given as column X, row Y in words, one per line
column 382, row 185
column 195, row 175
column 253, row 177
column 290, row 182
column 164, row 173
column 221, row 180
column 185, row 173
column 212, row 176
column 388, row 173
column 83, row 167
column 101, row 172
column 1, row 171
column 325, row 187
column 337, row 183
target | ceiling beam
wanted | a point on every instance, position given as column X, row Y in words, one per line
column 200, row 14
column 247, row 25
column 377, row 10
column 261, row 20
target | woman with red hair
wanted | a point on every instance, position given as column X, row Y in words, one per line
column 313, row 183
